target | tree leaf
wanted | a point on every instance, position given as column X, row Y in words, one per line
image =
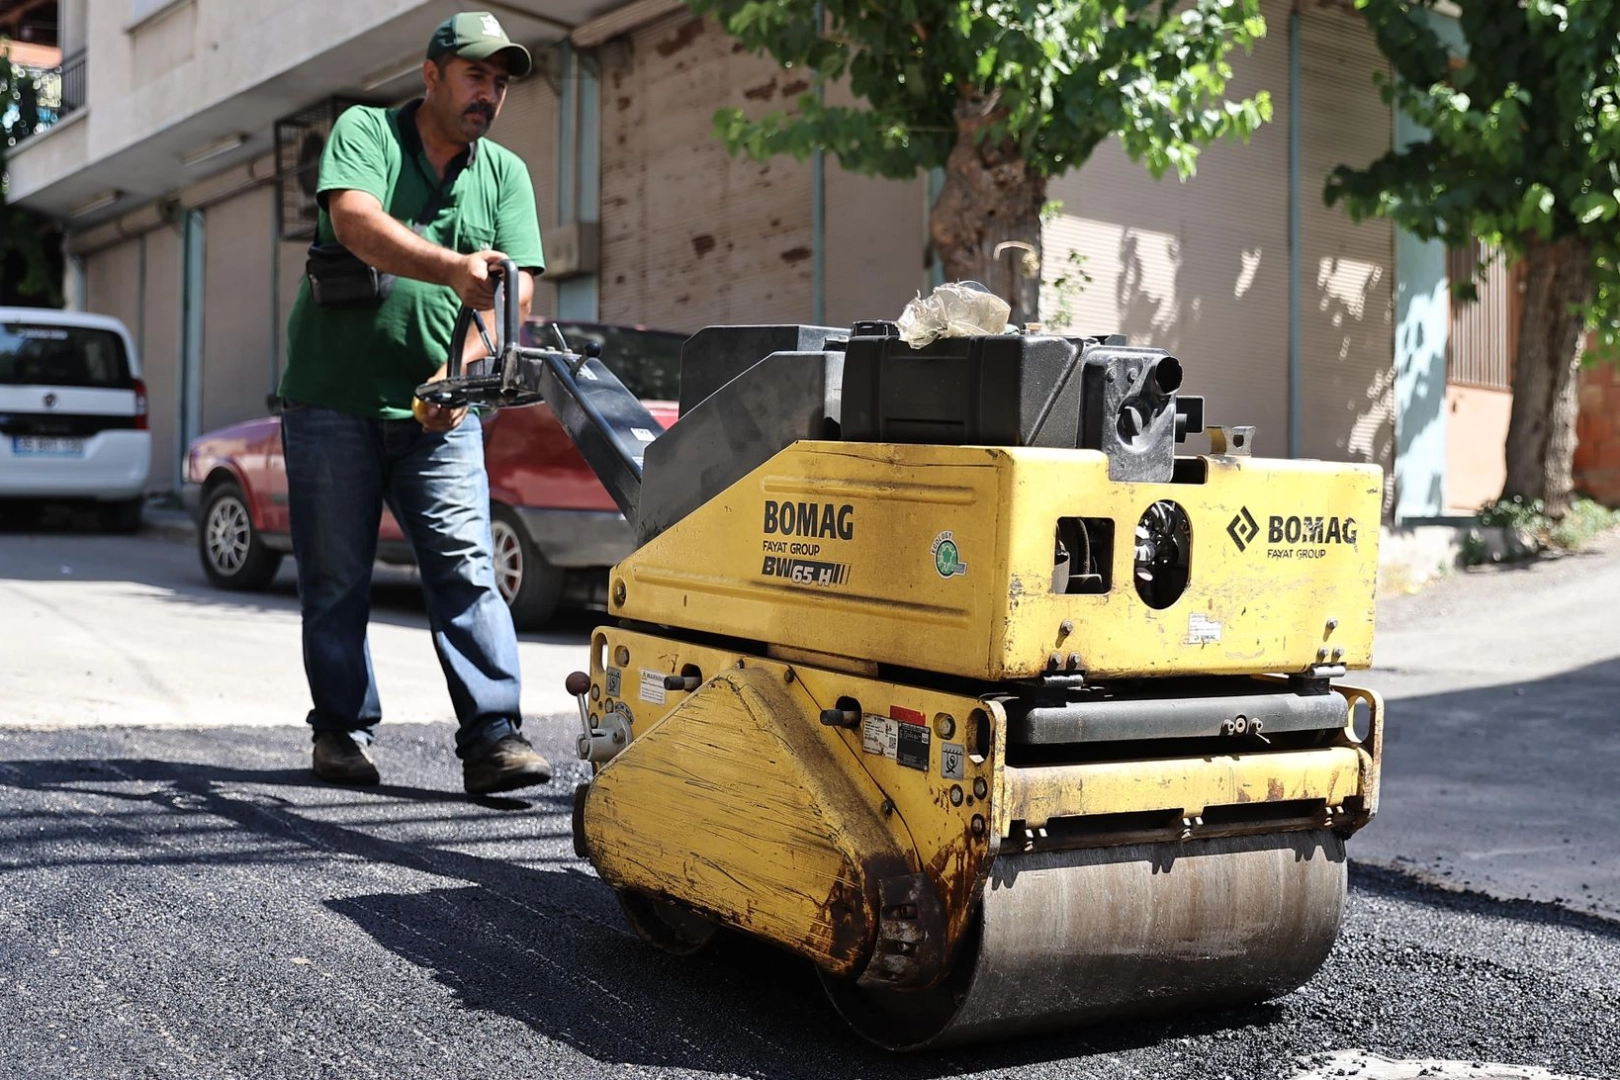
column 1063, row 74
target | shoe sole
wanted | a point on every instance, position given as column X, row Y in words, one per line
column 510, row 782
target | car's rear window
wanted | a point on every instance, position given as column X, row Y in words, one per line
column 648, row 362
column 33, row 353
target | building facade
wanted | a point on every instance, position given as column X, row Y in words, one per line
column 184, row 184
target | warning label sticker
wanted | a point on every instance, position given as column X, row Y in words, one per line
column 907, row 716
column 902, row 737
column 881, row 735
column 876, row 737
column 652, row 687
column 1202, row 630
column 951, row 761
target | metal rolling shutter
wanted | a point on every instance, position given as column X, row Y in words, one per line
column 1199, row 268
column 690, row 235
column 527, row 126
column 113, row 277
column 1348, row 271
column 876, row 232
column 238, row 367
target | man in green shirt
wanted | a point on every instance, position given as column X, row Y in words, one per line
column 420, row 194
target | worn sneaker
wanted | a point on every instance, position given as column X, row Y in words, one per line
column 510, row 763
column 341, row 760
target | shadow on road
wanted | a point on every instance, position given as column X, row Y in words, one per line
column 1398, row 884
column 533, row 935
column 540, row 941
column 1505, row 782
column 661, row 1010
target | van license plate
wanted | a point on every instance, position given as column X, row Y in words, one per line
column 36, row 446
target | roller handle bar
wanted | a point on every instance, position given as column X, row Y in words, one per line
column 609, row 425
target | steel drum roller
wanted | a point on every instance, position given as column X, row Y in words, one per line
column 1067, row 938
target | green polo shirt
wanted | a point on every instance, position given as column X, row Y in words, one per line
column 369, row 361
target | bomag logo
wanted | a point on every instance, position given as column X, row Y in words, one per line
column 1292, row 537
column 821, row 520
column 1310, row 530
column 1242, row 529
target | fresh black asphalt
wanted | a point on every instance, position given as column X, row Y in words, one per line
column 191, row 904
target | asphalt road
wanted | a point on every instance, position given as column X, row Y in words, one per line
column 179, row 898
column 1502, row 753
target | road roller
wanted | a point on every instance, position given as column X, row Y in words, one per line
column 945, row 669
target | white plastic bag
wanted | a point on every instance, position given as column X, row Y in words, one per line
column 955, row 309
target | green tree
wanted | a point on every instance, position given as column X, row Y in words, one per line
column 1524, row 153
column 30, row 257
column 1002, row 94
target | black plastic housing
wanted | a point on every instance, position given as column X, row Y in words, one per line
column 1003, row 390
column 715, row 355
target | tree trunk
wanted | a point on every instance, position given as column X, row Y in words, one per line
column 990, row 196
column 1541, row 430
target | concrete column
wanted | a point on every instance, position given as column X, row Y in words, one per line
column 191, row 329
column 579, row 179
column 75, row 284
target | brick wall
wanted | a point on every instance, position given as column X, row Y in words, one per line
column 1597, row 427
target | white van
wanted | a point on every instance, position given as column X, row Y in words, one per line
column 72, row 413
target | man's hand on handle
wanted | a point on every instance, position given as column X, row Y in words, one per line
column 473, row 281
column 437, row 418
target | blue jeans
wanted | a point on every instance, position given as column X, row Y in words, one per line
column 340, row 471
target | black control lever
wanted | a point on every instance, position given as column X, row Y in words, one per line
column 498, row 381
column 593, row 351
column 607, row 422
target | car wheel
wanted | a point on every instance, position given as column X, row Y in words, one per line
column 123, row 516
column 529, row 584
column 233, row 555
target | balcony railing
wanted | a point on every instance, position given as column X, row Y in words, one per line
column 73, row 71
column 52, row 95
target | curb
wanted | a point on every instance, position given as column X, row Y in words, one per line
column 1412, row 557
column 169, row 525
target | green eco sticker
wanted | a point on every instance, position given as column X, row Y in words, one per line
column 947, row 557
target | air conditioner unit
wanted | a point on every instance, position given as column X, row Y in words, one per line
column 300, row 138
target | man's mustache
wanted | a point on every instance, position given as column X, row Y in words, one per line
column 486, row 111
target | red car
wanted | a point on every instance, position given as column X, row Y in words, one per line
column 556, row 530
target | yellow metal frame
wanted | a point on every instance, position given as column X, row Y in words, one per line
column 754, row 812
column 1371, row 745
column 940, row 558
column 737, row 800
column 1186, row 787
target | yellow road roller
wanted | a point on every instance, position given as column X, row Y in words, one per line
column 943, row 668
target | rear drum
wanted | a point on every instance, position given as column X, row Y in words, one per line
column 1069, row 938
